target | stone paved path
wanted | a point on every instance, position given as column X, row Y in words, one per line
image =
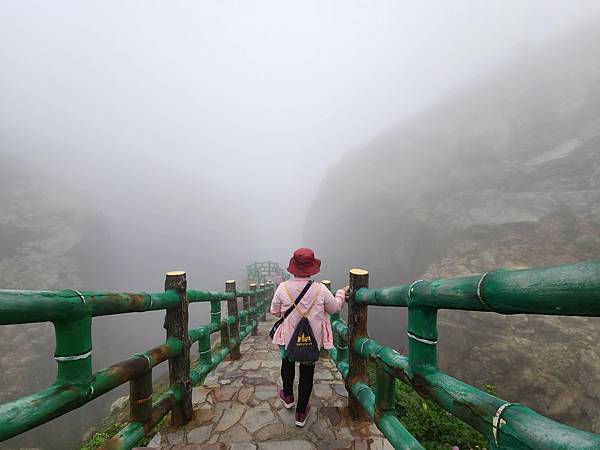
column 238, row 408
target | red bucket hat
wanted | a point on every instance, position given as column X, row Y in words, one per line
column 304, row 263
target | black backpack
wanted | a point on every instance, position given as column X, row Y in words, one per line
column 303, row 345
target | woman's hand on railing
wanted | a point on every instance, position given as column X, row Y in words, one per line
column 347, row 292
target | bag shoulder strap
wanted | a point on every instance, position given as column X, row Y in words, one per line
column 304, row 314
column 295, row 302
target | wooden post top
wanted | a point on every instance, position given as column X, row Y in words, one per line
column 359, row 272
column 175, row 280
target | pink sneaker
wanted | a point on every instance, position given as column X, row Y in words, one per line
column 302, row 417
column 288, row 400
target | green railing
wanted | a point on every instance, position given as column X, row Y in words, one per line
column 71, row 312
column 570, row 290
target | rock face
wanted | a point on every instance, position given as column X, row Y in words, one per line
column 45, row 234
column 505, row 173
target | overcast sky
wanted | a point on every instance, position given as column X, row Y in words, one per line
column 259, row 98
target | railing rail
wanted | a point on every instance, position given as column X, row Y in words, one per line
column 72, row 311
column 572, row 290
column 261, row 272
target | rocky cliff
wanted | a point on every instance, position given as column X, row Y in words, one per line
column 46, row 237
column 502, row 173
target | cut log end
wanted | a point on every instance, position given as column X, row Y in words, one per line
column 359, row 272
column 176, row 273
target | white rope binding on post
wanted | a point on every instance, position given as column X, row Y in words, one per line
column 80, row 295
column 422, row 340
column 363, row 344
column 147, row 359
column 479, row 295
column 74, row 357
column 412, row 285
column 496, row 420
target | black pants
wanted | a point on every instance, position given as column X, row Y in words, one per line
column 288, row 372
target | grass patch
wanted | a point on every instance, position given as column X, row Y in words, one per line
column 432, row 426
column 106, row 431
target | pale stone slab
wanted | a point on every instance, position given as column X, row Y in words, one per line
column 155, row 441
column 243, row 446
column 323, row 375
column 118, row 404
column 174, row 437
column 380, row 444
column 322, row 430
column 286, row 445
column 337, row 444
column 251, row 365
column 265, row 392
column 272, row 431
column 203, row 414
column 199, row 435
column 322, row 390
column 270, row 364
column 340, row 389
column 224, row 394
column 344, row 433
column 257, row 418
column 211, row 380
column 229, row 418
column 374, row 431
column 245, row 394
column 199, row 395
column 236, row 434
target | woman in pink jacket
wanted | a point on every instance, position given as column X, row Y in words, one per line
column 303, row 265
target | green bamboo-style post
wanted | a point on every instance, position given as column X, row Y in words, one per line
column 176, row 324
column 204, row 349
column 263, row 296
column 234, row 329
column 385, row 402
column 225, row 342
column 253, row 304
column 357, row 327
column 215, row 318
column 246, row 308
column 140, row 398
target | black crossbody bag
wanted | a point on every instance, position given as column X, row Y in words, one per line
column 290, row 309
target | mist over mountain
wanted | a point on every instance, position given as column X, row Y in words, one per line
column 504, row 172
column 49, row 240
column 54, row 237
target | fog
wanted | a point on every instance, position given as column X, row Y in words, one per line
column 151, row 108
column 196, row 135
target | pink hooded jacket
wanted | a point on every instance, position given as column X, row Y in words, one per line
column 318, row 316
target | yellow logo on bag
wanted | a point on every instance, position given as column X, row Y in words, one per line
column 303, row 340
